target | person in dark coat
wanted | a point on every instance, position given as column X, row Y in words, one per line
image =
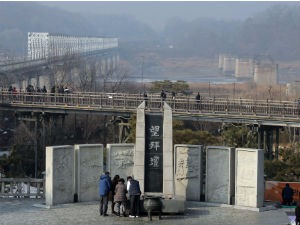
column 198, row 100
column 133, row 188
column 163, row 95
column 104, row 188
column 113, row 186
column 287, row 195
column 297, row 214
column 120, row 197
column 146, row 99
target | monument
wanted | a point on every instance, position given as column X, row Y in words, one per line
column 153, row 157
column 188, row 180
column 59, row 175
column 120, row 159
column 153, row 161
column 88, row 168
column 249, row 170
column 220, row 166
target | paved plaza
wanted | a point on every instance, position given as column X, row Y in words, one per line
column 23, row 211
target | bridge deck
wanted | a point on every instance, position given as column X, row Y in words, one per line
column 264, row 112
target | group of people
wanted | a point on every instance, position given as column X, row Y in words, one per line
column 31, row 89
column 119, row 191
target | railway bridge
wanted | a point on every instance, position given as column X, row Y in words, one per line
column 50, row 53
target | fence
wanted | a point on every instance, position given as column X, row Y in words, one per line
column 22, row 187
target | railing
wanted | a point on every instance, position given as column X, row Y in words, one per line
column 123, row 102
column 22, row 187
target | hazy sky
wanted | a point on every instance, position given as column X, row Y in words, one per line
column 156, row 13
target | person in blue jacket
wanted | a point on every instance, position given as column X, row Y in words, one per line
column 104, row 188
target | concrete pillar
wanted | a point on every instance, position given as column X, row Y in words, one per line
column 168, row 174
column 277, row 143
column 139, row 153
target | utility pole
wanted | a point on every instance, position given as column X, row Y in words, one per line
column 143, row 74
column 233, row 89
column 35, row 147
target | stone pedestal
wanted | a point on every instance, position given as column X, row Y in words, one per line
column 249, row 191
column 187, row 167
column 59, row 175
column 88, row 168
column 220, row 169
column 120, row 159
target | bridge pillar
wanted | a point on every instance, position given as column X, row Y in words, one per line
column 267, row 137
column 108, row 64
column 270, row 143
column 103, row 66
column 259, row 137
column 266, row 141
column 277, row 143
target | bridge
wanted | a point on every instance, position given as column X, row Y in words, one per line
column 227, row 110
column 265, row 115
column 47, row 50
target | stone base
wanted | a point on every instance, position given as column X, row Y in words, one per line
column 261, row 209
column 175, row 206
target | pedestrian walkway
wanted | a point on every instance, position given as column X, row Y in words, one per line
column 23, row 211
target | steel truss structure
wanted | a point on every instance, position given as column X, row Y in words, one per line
column 45, row 45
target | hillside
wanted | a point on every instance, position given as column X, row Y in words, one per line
column 18, row 18
column 275, row 31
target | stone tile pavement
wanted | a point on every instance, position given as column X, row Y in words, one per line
column 22, row 211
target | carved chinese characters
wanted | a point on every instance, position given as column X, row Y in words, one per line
column 154, row 153
column 120, row 159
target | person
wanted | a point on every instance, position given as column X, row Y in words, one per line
column 113, row 186
column 297, row 214
column 163, row 95
column 44, row 90
column 173, row 95
column 287, row 195
column 133, row 188
column 104, row 188
column 10, row 90
column 198, row 98
column 120, row 197
column 146, row 99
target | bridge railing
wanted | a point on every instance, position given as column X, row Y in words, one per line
column 22, row 187
column 182, row 104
